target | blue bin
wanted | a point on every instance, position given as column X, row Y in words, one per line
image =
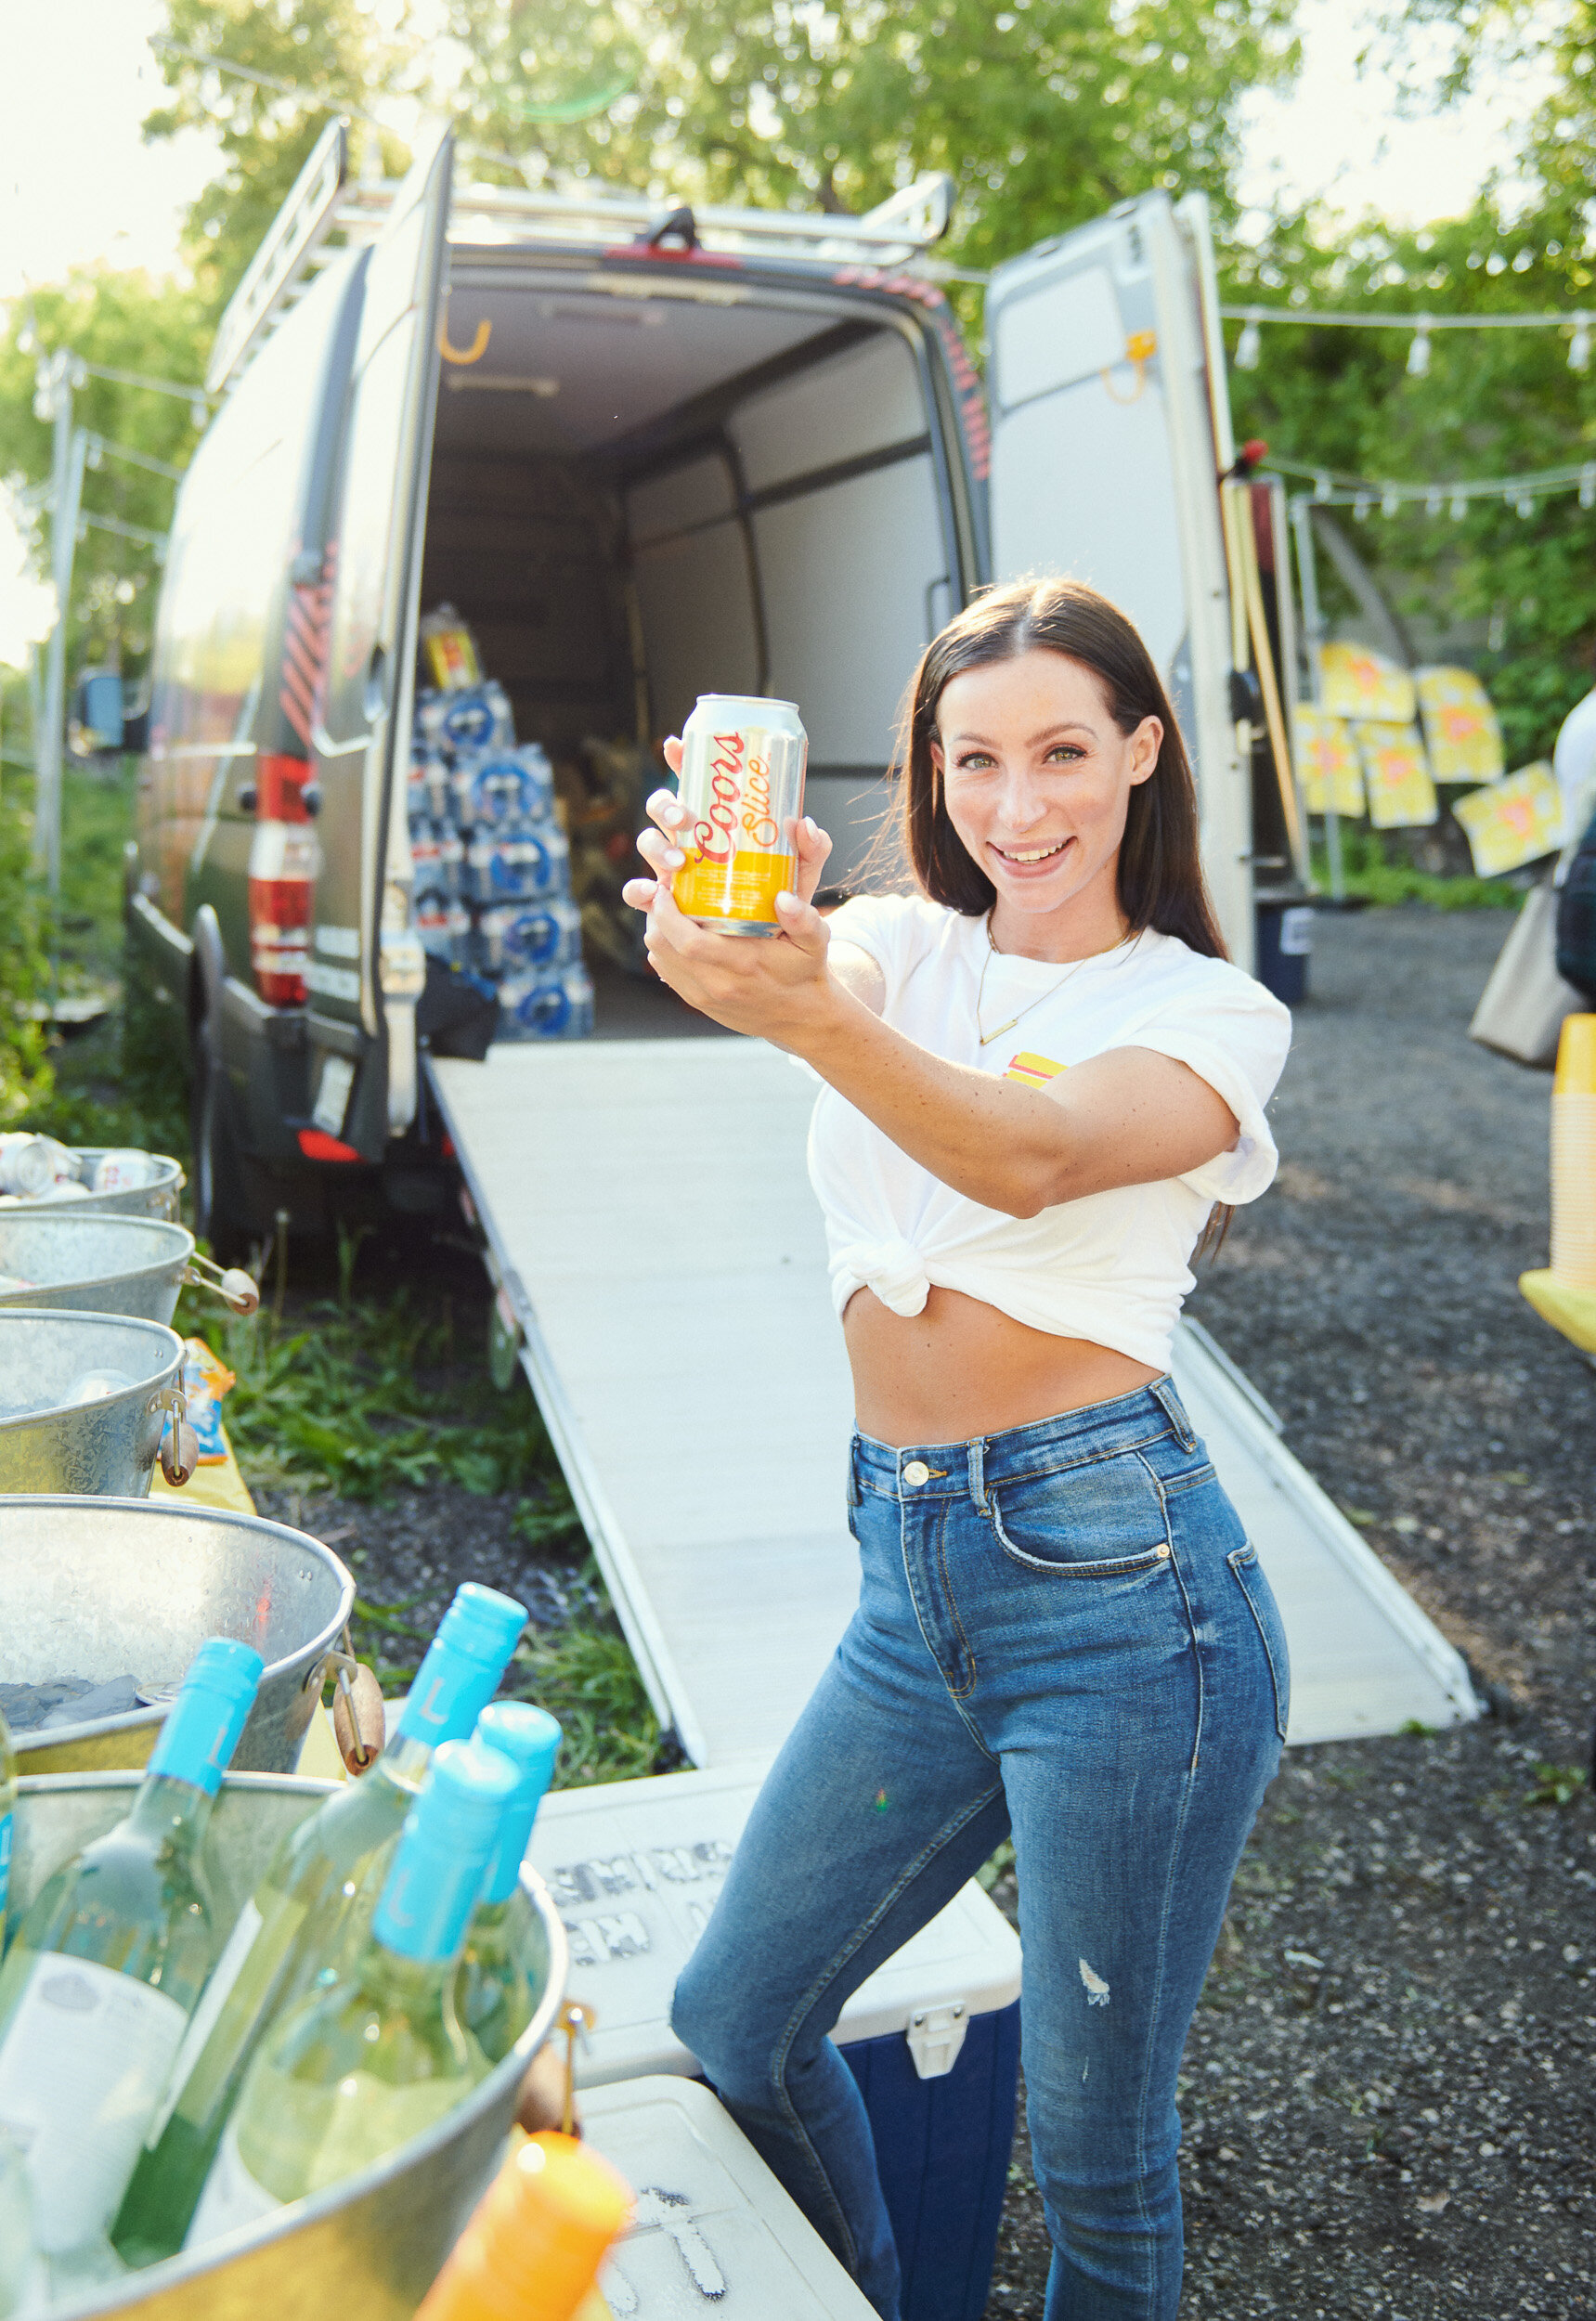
column 1284, row 943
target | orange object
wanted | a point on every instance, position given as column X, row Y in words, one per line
column 532, row 2250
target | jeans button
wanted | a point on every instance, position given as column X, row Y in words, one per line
column 917, row 1472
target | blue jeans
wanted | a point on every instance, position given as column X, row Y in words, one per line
column 1062, row 1632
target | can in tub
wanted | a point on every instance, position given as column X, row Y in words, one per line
column 742, row 776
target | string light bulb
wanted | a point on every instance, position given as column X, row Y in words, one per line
column 1361, row 506
column 1431, row 503
column 1250, row 345
column 1418, row 351
column 1579, row 345
column 1390, row 500
column 1458, row 508
column 1588, row 487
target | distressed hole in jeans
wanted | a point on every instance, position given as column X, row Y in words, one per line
column 1096, row 1988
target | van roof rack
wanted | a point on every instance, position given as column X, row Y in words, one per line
column 322, row 199
column 894, row 232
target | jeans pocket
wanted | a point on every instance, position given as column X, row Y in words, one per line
column 1101, row 1519
column 1260, row 1597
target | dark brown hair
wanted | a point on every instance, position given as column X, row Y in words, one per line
column 1161, row 881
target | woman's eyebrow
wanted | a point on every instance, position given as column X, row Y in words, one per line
column 1050, row 732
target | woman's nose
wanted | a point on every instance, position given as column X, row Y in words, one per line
column 1022, row 803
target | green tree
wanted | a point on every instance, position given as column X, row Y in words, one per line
column 1044, row 113
column 1493, row 403
column 303, row 62
column 117, row 321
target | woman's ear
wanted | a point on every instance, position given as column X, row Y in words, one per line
column 1145, row 743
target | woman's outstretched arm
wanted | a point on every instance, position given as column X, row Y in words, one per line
column 1131, row 1117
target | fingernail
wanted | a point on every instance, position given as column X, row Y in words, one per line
column 675, row 857
column 811, row 827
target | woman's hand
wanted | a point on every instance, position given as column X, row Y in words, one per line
column 770, row 987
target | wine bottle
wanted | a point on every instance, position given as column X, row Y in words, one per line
column 358, row 2067
column 109, row 1962
column 533, row 2248
column 8, row 1820
column 491, row 1995
column 326, row 1875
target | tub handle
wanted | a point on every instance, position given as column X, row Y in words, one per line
column 237, row 1290
column 179, row 1444
column 359, row 1719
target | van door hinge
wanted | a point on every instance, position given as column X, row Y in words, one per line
column 936, row 2035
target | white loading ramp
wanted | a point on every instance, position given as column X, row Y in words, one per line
column 651, row 1225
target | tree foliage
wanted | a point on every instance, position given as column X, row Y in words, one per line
column 1515, row 586
column 1044, row 112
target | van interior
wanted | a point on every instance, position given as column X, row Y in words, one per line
column 640, row 494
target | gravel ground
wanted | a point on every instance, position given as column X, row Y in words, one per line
column 1387, row 2095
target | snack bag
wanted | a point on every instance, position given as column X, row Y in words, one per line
column 205, row 1380
column 451, row 650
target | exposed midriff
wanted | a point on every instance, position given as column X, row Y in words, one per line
column 962, row 1369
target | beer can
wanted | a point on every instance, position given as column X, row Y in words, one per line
column 742, row 776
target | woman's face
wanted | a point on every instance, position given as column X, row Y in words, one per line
column 1038, row 777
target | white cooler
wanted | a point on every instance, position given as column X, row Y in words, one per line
column 932, row 2037
column 713, row 2228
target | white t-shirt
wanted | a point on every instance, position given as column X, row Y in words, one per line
column 1110, row 1267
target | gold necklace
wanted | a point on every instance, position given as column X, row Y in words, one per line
column 986, row 1038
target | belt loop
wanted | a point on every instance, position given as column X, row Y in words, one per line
column 1174, row 1412
column 854, row 1494
column 977, row 1474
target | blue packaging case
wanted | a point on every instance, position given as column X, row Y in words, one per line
column 517, row 866
column 503, row 789
column 477, row 717
column 539, row 936
column 557, row 1005
column 932, row 2038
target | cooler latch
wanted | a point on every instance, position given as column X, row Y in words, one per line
column 936, row 2035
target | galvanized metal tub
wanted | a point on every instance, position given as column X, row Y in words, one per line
column 107, row 1448
column 369, row 2248
column 158, row 1199
column 93, row 1264
column 104, row 1587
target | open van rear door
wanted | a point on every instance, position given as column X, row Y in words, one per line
column 1109, row 430
column 365, row 968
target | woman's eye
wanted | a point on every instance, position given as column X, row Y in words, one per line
column 975, row 761
column 1065, row 754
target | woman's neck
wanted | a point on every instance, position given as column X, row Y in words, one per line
column 1058, row 935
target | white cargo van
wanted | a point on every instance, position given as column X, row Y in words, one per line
column 647, row 455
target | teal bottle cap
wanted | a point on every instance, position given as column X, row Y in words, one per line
column 530, row 1738
column 463, row 1664
column 444, row 1851
column 196, row 1743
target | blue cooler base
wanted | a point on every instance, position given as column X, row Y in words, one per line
column 943, row 2146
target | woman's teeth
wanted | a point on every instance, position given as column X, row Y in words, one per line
column 1034, row 854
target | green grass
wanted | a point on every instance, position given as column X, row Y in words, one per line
column 366, row 1396
column 1370, row 877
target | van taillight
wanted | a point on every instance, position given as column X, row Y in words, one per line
column 284, row 859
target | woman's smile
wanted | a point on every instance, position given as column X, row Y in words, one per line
column 1032, row 857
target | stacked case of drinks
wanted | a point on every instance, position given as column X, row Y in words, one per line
column 492, row 863
column 162, row 2082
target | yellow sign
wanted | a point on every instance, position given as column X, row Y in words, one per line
column 1459, row 726
column 1359, row 682
column 1327, row 759
column 1396, row 776
column 1513, row 821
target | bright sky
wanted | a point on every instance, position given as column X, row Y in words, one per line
column 77, row 185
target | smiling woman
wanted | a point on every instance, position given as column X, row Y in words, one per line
column 1039, row 1074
